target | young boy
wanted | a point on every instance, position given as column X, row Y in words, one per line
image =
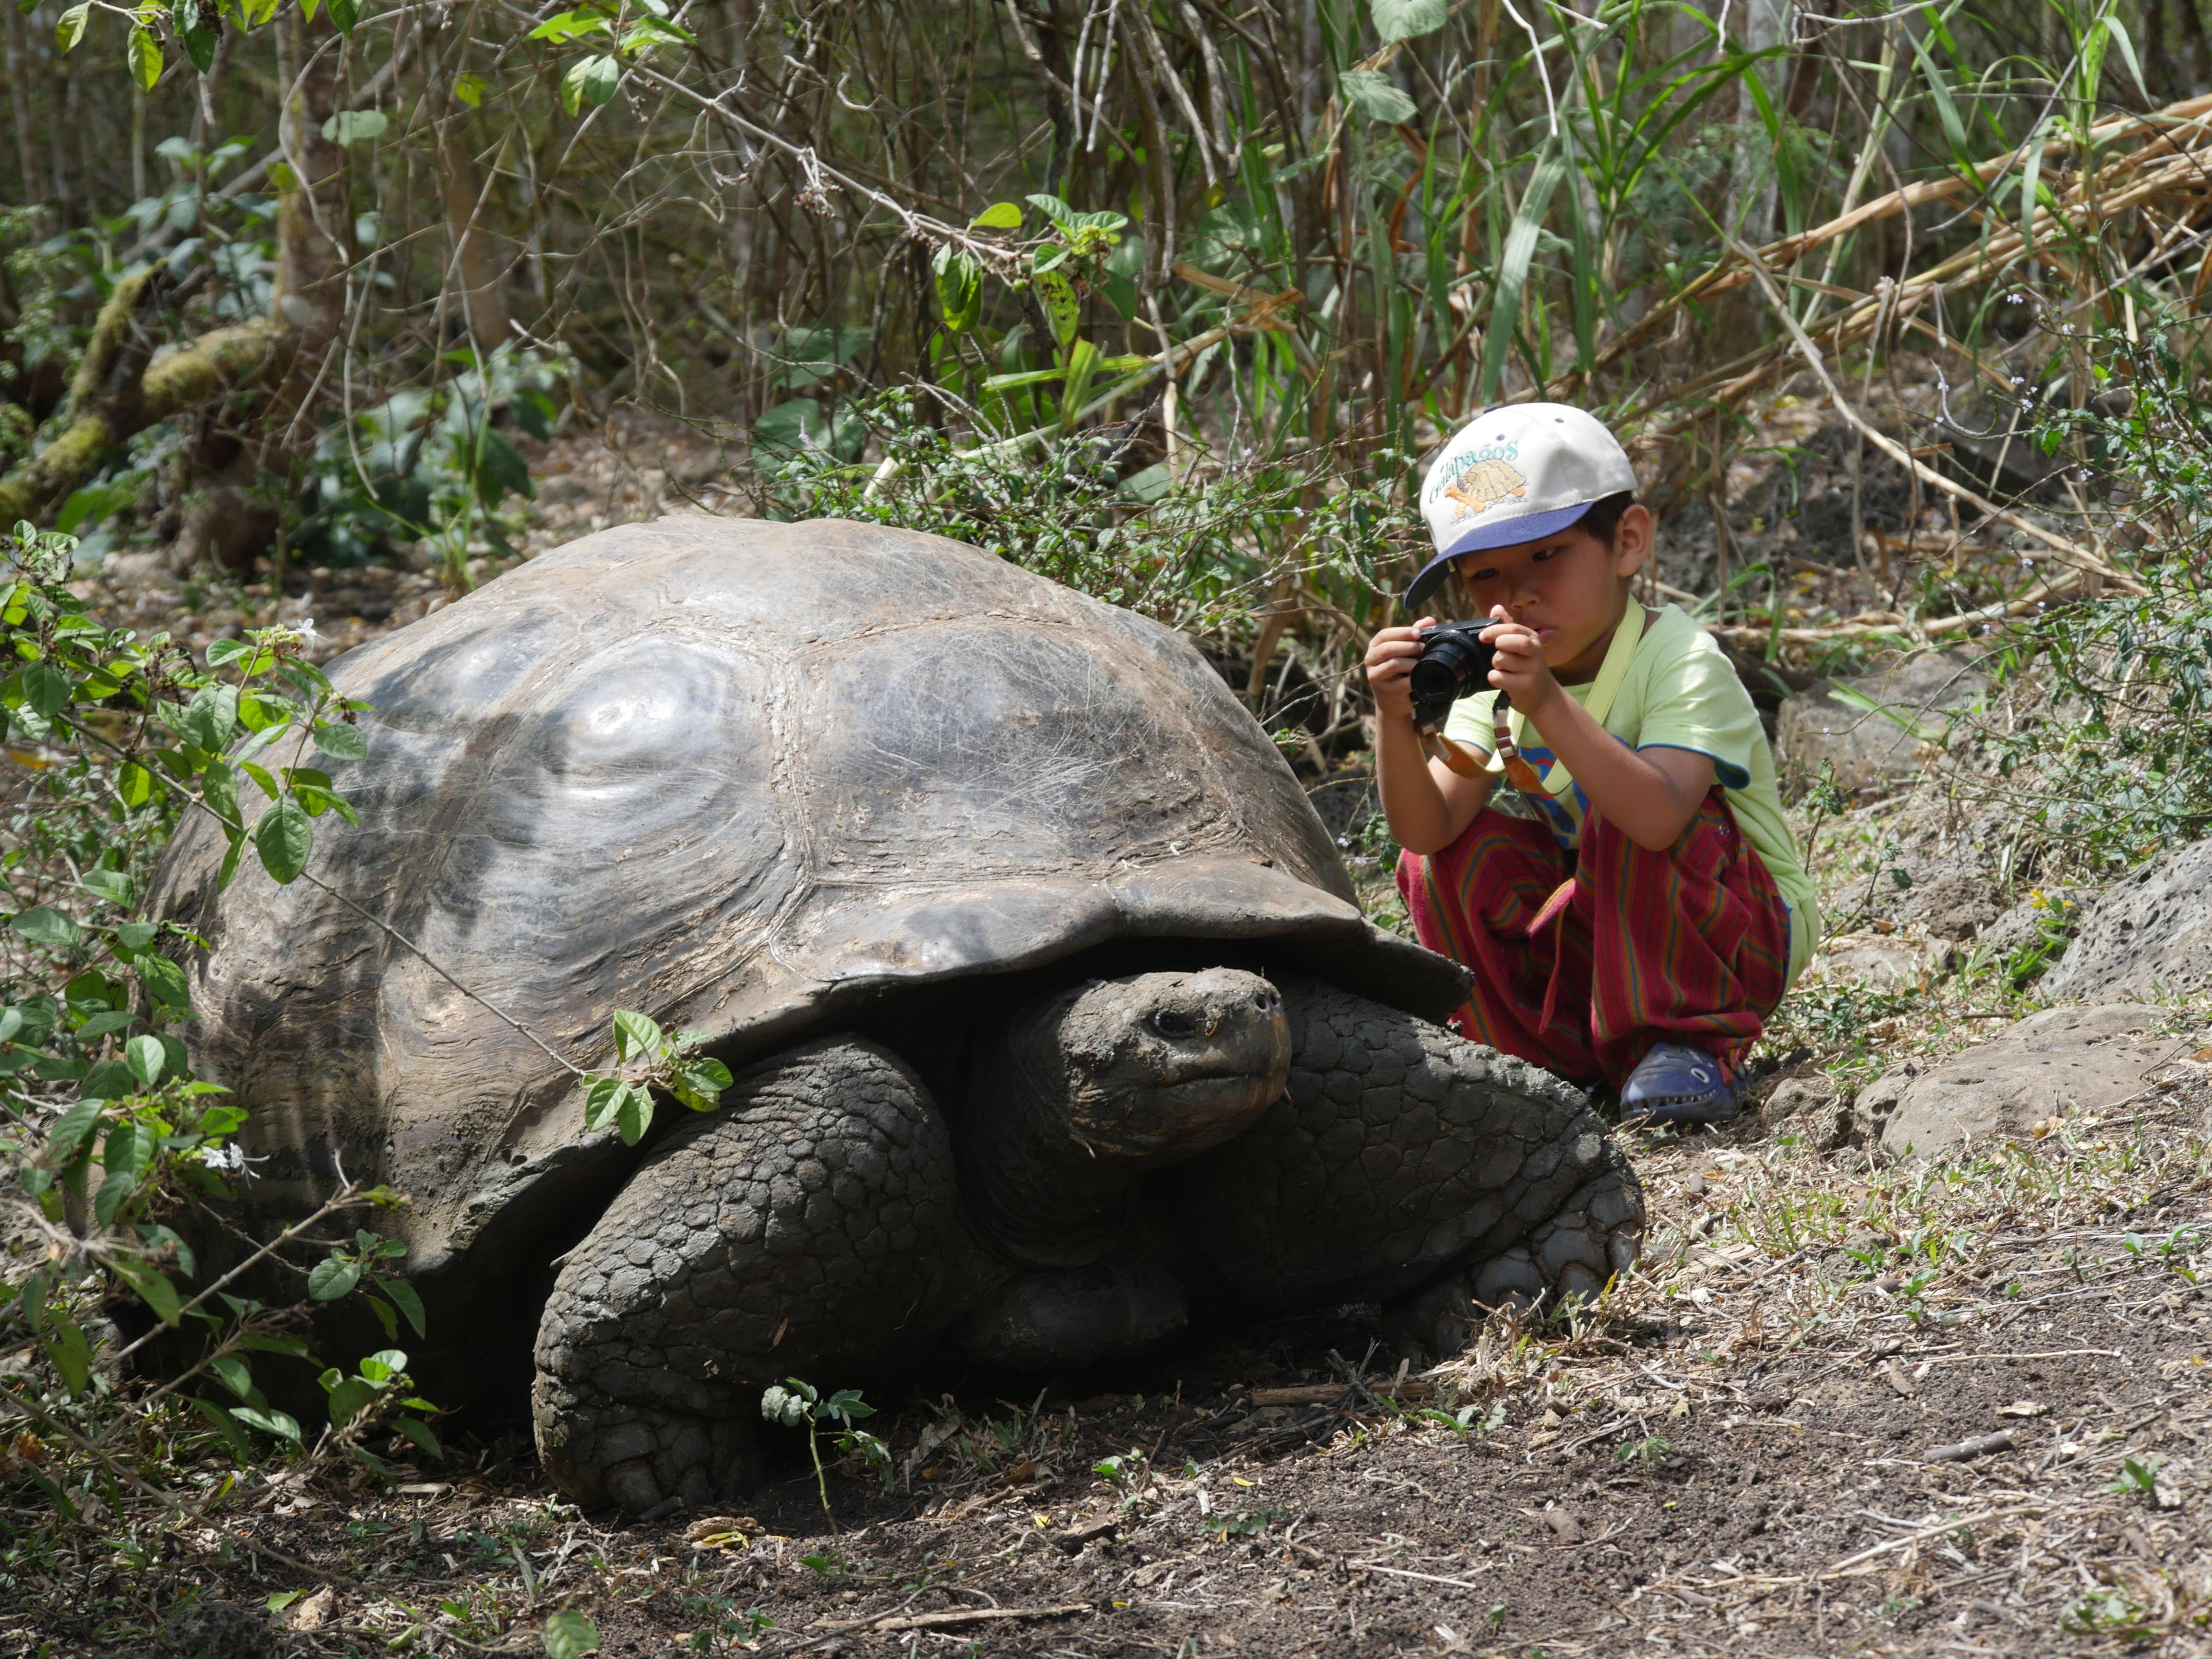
column 1633, row 908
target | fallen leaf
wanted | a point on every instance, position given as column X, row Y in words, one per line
column 1022, row 1473
column 1565, row 1523
column 715, row 1531
column 2023, row 1408
column 313, row 1613
column 1894, row 1373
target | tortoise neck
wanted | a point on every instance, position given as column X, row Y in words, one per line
column 1036, row 1193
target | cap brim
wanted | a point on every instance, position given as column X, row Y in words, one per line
column 1476, row 539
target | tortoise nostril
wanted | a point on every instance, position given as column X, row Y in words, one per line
column 1266, row 1001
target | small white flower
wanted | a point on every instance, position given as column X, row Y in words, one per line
column 305, row 628
column 229, row 1159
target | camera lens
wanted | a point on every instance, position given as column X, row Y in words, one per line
column 1435, row 678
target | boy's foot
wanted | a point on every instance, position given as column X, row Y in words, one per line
column 1676, row 1083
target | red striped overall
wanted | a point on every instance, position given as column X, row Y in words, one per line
column 1690, row 945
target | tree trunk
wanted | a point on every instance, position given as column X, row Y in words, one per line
column 22, row 78
column 472, row 261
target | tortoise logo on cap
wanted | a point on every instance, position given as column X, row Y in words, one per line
column 1480, row 478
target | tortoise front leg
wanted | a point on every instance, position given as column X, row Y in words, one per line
column 809, row 1228
column 1402, row 1157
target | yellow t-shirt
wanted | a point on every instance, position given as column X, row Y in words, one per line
column 1679, row 692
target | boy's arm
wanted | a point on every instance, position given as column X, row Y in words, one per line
column 1648, row 795
column 1428, row 805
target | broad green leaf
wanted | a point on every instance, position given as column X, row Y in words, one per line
column 1371, row 93
column 235, row 1374
column 135, row 784
column 959, row 288
column 1053, row 208
column 111, row 884
column 636, row 1034
column 569, row 1635
column 405, row 1298
column 345, row 13
column 225, row 651
column 340, row 741
column 602, row 76
column 332, row 1278
column 999, row 216
column 43, row 925
column 564, row 27
column 219, row 789
column 164, row 981
column 572, row 85
column 109, row 1080
column 1403, row 19
column 71, row 1129
column 500, row 470
column 284, row 838
column 420, row 1432
column 71, row 1355
column 70, row 29
column 128, row 1154
column 45, row 689
column 635, row 1115
column 351, row 126
column 208, row 721
column 1060, row 304
column 199, row 46
column 143, row 53
column 146, row 1058
column 469, row 89
column 268, row 1420
column 154, row 1288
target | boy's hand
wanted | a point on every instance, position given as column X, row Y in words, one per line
column 1519, row 670
column 1391, row 655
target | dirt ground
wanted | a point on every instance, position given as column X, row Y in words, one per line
column 1740, row 1453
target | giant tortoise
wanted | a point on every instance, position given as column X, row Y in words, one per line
column 1054, row 1018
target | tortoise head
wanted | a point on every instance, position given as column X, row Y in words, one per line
column 1086, row 1089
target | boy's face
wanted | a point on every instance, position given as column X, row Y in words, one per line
column 1571, row 588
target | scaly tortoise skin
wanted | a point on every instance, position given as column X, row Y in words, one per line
column 1055, row 1023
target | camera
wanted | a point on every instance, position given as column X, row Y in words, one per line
column 1454, row 663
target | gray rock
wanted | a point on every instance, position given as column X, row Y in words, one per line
column 2152, row 932
column 2057, row 1063
column 1869, row 750
column 1958, row 905
column 1882, row 961
column 220, row 1630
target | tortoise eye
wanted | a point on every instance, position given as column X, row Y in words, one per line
column 1169, row 1023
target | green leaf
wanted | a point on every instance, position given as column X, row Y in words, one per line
column 236, row 1376
column 405, row 1298
column 1404, row 20
column 109, row 1080
column 45, row 926
column 602, row 74
column 1054, row 209
column 219, row 789
column 469, row 89
column 111, row 884
column 208, row 721
column 345, row 13
column 269, row 1421
column 71, row 1129
column 1371, row 93
column 340, row 741
column 45, row 689
column 419, row 1431
column 565, row 26
column 501, row 470
column 199, row 46
column 636, row 1034
column 959, row 288
column 129, row 1152
column 709, row 1077
column 135, row 784
column 382, row 1366
column 569, row 1635
column 1513, row 269
column 71, row 1355
column 348, row 126
column 146, row 1058
column 143, row 53
column 70, row 29
column 634, row 1114
column 153, row 1288
column 284, row 838
column 1061, row 307
column 332, row 1278
column 164, row 981
column 999, row 216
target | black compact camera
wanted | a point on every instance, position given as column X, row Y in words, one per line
column 1454, row 663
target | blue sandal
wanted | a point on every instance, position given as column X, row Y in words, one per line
column 1676, row 1084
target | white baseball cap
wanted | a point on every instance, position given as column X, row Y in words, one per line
column 1514, row 473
